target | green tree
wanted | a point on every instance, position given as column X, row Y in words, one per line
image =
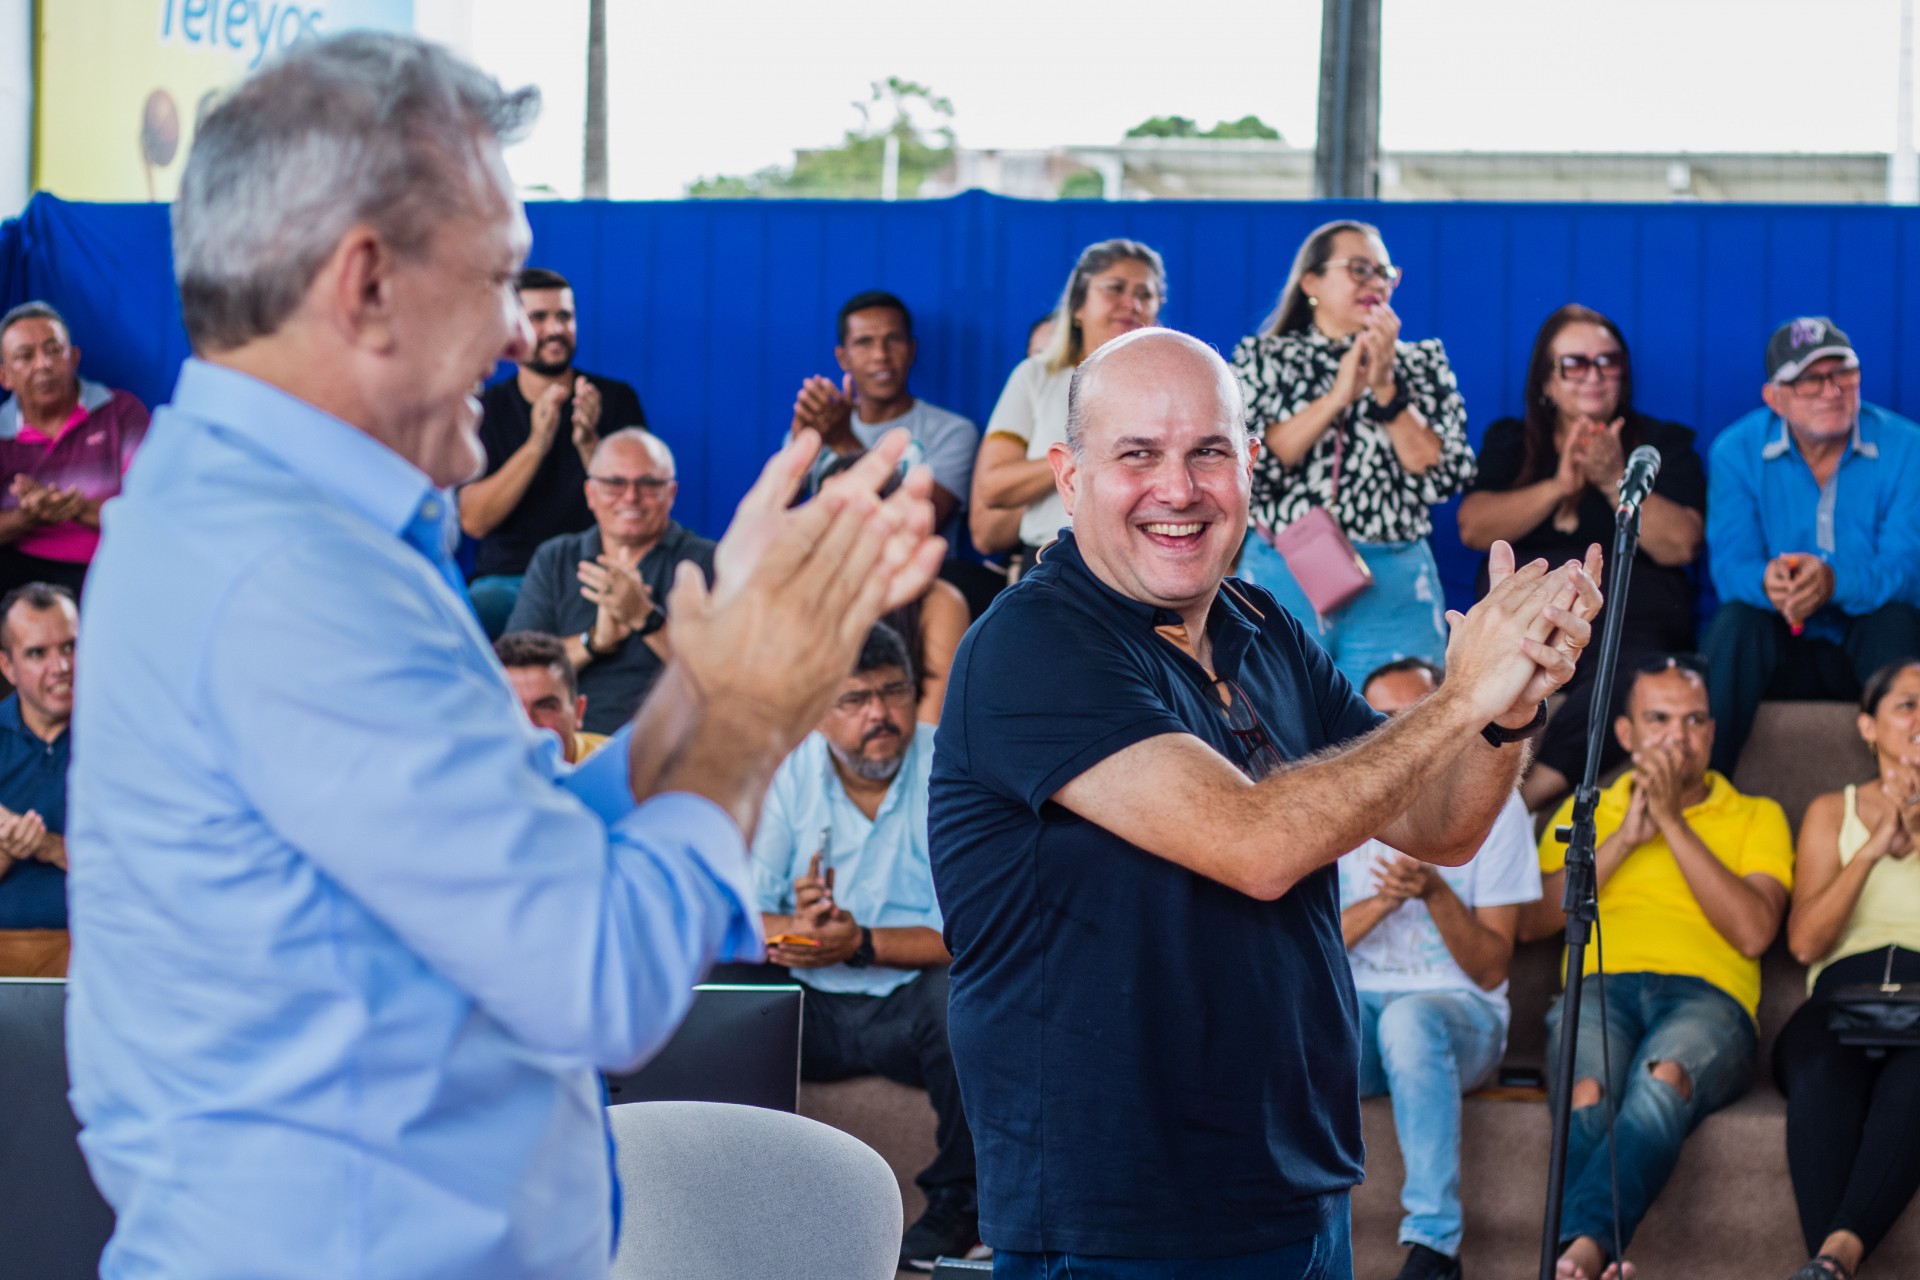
column 1185, row 127
column 914, row 114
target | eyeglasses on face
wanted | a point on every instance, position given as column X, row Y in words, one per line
column 1811, row 385
column 1364, row 270
column 855, row 701
column 644, row 486
column 1608, row 364
column 1114, row 289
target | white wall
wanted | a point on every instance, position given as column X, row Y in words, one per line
column 16, row 103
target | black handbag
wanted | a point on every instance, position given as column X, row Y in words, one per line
column 1876, row 1015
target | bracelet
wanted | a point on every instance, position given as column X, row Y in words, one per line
column 1383, row 413
column 1497, row 736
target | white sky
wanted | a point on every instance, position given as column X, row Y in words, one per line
column 732, row 85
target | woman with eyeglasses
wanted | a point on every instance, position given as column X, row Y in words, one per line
column 1853, row 1131
column 1363, row 425
column 1548, row 484
column 1117, row 286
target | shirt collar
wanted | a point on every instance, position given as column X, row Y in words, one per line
column 92, row 396
column 345, row 463
column 1231, row 623
column 10, row 719
column 1782, row 443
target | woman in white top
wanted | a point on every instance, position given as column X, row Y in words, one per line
column 1116, row 286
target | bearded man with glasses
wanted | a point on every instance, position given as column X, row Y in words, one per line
column 1813, row 534
column 604, row 591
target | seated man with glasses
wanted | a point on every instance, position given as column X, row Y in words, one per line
column 1813, row 534
column 1693, row 879
column 604, row 591
column 846, row 896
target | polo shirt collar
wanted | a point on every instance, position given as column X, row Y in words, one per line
column 1782, row 443
column 92, row 396
column 1232, row 623
column 11, row 721
column 343, row 462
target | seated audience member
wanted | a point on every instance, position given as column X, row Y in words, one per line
column 1115, row 287
column 1853, row 1138
column 605, row 590
column 1430, row 947
column 549, row 690
column 1814, row 536
column 1548, row 484
column 1693, row 878
column 876, row 351
column 53, row 475
column 840, row 862
column 38, row 623
column 540, row 428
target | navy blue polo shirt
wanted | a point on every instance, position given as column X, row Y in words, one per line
column 33, row 775
column 1154, row 1065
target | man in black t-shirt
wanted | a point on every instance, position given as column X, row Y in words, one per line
column 540, row 428
column 1152, row 1014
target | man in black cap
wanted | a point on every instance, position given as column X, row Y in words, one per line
column 1813, row 534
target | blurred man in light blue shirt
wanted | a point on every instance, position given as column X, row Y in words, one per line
column 846, row 892
column 349, row 939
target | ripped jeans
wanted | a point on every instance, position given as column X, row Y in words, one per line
column 1651, row 1017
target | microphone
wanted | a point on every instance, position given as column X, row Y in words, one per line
column 1637, row 481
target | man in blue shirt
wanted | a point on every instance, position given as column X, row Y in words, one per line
column 351, row 941
column 1813, row 535
column 840, row 863
column 38, row 623
column 1152, row 1013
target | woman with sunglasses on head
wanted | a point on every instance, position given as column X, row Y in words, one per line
column 1117, row 286
column 1364, row 426
column 1853, row 1131
column 1548, row 484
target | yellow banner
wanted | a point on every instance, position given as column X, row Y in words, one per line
column 121, row 85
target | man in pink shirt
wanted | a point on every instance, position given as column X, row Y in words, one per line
column 64, row 444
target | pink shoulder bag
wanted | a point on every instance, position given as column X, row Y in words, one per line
column 1330, row 572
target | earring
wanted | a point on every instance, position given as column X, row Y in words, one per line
column 1312, row 301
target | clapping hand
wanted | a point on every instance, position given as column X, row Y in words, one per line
column 1403, row 879
column 824, row 408
column 1638, row 826
column 1659, row 777
column 20, row 835
column 1376, row 341
column 617, row 589
column 1900, row 784
column 1603, row 459
column 44, row 504
column 586, row 419
column 1519, row 644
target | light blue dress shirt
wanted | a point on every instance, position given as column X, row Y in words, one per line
column 349, row 939
column 881, row 876
column 1763, row 502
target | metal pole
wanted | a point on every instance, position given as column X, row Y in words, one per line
column 1903, row 173
column 593, row 174
column 1346, row 154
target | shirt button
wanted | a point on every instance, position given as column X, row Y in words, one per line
column 430, row 509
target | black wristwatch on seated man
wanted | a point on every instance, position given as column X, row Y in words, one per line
column 862, row 956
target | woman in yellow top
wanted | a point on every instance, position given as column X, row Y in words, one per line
column 1853, row 1115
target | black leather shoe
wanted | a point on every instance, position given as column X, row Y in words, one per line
column 948, row 1229
column 1428, row 1264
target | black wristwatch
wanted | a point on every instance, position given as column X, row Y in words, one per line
column 653, row 622
column 1499, row 737
column 586, row 642
column 862, row 956
column 1377, row 412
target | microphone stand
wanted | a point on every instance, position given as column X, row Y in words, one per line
column 1580, row 899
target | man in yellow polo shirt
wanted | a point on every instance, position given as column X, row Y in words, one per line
column 1693, row 879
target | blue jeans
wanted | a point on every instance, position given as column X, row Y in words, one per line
column 1424, row 1049
column 33, row 895
column 1651, row 1017
column 493, row 599
column 1326, row 1255
column 1402, row 615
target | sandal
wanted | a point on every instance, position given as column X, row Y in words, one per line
column 1823, row 1267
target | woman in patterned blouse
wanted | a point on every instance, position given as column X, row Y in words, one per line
column 1328, row 382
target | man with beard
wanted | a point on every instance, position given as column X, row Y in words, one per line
column 846, row 896
column 64, row 444
column 540, row 428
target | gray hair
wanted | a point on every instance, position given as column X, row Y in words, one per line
column 34, row 310
column 1084, row 377
column 652, row 443
column 368, row 127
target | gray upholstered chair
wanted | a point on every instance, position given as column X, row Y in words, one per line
column 713, row 1191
